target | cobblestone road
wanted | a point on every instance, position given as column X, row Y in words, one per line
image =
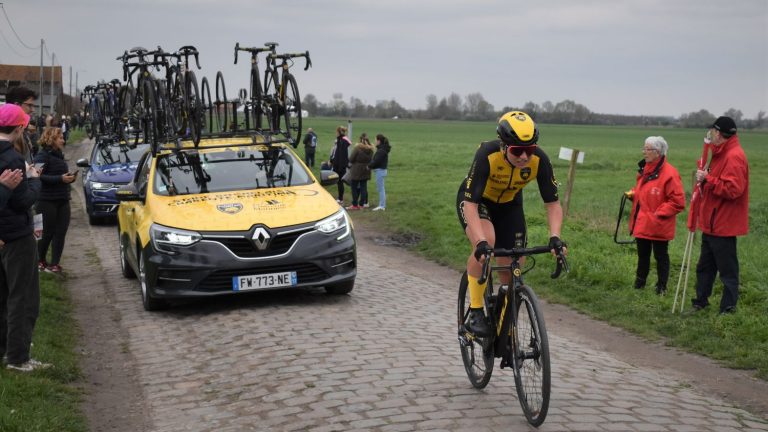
column 384, row 358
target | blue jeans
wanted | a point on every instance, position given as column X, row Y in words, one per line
column 381, row 174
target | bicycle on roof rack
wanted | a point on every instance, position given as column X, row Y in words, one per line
column 183, row 110
column 93, row 117
column 254, row 111
column 281, row 94
column 519, row 335
column 139, row 104
column 214, row 113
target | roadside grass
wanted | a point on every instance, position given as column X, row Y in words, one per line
column 46, row 400
column 430, row 158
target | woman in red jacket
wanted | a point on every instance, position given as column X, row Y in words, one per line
column 657, row 199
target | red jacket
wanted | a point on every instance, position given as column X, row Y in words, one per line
column 658, row 198
column 724, row 210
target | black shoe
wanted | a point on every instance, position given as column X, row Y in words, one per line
column 697, row 306
column 661, row 290
column 728, row 310
column 477, row 324
column 639, row 283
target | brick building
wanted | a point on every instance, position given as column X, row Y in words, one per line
column 29, row 76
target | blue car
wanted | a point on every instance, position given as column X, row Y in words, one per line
column 111, row 165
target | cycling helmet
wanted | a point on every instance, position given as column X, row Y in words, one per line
column 516, row 128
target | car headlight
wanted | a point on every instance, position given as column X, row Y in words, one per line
column 102, row 186
column 163, row 236
column 335, row 223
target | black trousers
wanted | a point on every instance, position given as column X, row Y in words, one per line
column 340, row 185
column 718, row 255
column 19, row 298
column 660, row 253
column 56, row 215
column 359, row 192
column 309, row 156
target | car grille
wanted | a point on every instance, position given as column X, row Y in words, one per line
column 244, row 247
column 222, row 279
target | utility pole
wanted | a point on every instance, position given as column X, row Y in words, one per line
column 70, row 91
column 40, row 94
column 53, row 59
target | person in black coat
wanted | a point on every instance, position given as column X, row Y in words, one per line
column 379, row 167
column 19, row 284
column 54, row 198
column 340, row 159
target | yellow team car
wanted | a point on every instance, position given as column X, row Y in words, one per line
column 231, row 215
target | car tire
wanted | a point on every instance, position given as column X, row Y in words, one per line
column 341, row 288
column 125, row 266
column 94, row 220
column 150, row 304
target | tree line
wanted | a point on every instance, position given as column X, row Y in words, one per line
column 474, row 107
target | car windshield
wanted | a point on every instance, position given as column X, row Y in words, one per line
column 108, row 154
column 229, row 169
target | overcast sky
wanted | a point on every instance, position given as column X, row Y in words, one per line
column 654, row 57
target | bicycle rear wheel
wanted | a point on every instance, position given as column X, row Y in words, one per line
column 476, row 352
column 149, row 114
column 530, row 362
column 257, row 113
column 221, row 104
column 292, row 104
column 194, row 110
column 207, row 107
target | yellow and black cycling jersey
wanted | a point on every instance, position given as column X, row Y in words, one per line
column 493, row 179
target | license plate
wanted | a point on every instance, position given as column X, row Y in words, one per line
column 264, row 281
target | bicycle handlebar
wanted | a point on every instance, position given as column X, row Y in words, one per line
column 270, row 46
column 516, row 253
column 287, row 56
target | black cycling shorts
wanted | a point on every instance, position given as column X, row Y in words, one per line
column 508, row 220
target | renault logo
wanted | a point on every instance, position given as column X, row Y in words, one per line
column 260, row 238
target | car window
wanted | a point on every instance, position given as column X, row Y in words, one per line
column 142, row 174
column 112, row 154
column 227, row 169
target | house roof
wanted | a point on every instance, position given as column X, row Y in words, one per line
column 28, row 73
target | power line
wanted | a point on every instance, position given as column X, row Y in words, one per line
column 14, row 30
column 11, row 46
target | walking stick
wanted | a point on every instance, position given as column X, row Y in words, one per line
column 693, row 216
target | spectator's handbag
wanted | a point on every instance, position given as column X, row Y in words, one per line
column 347, row 177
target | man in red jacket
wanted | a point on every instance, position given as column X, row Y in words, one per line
column 723, row 215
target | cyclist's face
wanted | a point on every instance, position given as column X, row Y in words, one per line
column 517, row 158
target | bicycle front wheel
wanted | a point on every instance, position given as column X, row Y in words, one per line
column 476, row 352
column 530, row 362
column 292, row 104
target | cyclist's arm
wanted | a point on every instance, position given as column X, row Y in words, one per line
column 548, row 190
column 474, row 185
column 554, row 218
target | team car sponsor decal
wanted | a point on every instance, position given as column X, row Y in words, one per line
column 271, row 204
column 233, row 196
column 230, row 208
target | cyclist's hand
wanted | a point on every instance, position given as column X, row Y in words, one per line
column 556, row 246
column 483, row 249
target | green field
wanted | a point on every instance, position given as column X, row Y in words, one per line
column 430, row 158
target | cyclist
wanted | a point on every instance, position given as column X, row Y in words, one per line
column 490, row 203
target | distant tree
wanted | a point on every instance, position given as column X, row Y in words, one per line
column 532, row 109
column 357, row 107
column 310, row 104
column 431, row 106
column 477, row 108
column 735, row 114
column 760, row 120
column 547, row 107
column 454, row 107
column 699, row 119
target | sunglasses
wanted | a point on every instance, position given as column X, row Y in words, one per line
column 519, row 150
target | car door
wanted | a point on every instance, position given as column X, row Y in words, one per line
column 131, row 213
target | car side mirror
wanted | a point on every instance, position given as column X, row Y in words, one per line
column 83, row 163
column 328, row 178
column 129, row 193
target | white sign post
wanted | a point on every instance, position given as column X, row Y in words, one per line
column 575, row 156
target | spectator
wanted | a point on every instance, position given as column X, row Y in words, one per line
column 340, row 159
column 310, row 145
column 54, row 199
column 379, row 166
column 723, row 215
column 24, row 98
column 658, row 197
column 65, row 128
column 19, row 284
column 9, row 179
column 360, row 173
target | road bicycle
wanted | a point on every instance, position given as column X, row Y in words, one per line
column 141, row 109
column 519, row 336
column 281, row 94
column 93, row 116
column 254, row 110
column 183, row 108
